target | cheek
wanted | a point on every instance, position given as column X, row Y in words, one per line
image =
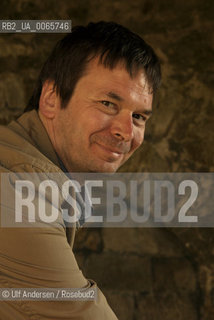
column 138, row 139
column 98, row 122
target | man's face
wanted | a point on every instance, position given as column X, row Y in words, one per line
column 104, row 121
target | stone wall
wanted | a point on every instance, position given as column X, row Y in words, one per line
column 145, row 273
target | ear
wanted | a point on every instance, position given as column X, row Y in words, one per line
column 49, row 101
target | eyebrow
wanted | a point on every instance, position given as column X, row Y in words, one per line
column 115, row 96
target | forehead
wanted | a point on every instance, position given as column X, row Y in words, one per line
column 118, row 78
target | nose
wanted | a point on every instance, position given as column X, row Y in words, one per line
column 122, row 126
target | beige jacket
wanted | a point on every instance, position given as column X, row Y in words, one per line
column 39, row 257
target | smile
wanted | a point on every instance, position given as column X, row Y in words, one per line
column 112, row 152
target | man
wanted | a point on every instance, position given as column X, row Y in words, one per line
column 87, row 114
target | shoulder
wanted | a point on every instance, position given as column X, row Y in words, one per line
column 19, row 153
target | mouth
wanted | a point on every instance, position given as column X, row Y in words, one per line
column 113, row 153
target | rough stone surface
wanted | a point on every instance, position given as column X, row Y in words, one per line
column 122, row 302
column 146, row 274
column 88, row 240
column 153, row 242
column 165, row 307
column 180, row 277
column 110, row 268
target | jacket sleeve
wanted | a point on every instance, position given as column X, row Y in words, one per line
column 40, row 257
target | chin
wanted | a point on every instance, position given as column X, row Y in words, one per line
column 105, row 168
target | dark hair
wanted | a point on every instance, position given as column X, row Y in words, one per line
column 110, row 42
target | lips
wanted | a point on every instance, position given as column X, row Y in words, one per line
column 110, row 150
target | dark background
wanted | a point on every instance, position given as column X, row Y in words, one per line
column 145, row 273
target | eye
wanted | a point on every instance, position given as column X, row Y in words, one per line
column 108, row 103
column 139, row 118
